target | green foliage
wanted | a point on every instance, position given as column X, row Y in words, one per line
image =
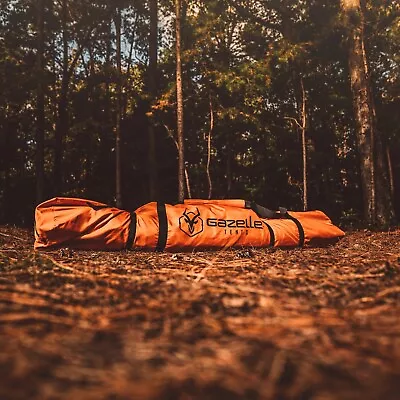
column 242, row 65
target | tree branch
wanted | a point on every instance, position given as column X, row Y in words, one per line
column 294, row 120
column 248, row 14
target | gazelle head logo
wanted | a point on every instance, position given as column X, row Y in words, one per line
column 190, row 222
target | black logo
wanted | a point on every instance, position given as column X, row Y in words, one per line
column 190, row 223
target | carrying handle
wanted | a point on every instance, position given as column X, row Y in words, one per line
column 263, row 212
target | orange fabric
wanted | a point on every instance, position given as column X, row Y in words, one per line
column 222, row 203
column 217, row 226
column 317, row 226
column 146, row 227
column 79, row 223
column 198, row 224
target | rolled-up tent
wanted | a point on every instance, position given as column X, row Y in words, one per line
column 194, row 224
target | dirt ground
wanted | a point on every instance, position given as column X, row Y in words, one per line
column 321, row 323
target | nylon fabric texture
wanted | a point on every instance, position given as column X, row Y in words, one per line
column 195, row 224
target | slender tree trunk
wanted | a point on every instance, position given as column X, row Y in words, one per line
column 229, row 173
column 62, row 120
column 7, row 161
column 302, row 111
column 390, row 170
column 304, row 144
column 40, row 128
column 118, row 163
column 108, row 67
column 128, row 70
column 378, row 206
column 179, row 112
column 107, row 141
column 187, row 179
column 62, row 124
column 153, row 50
column 384, row 199
column 209, row 149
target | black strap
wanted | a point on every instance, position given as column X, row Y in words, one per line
column 299, row 227
column 132, row 231
column 271, row 235
column 263, row 212
column 162, row 227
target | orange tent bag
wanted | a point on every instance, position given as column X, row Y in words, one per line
column 195, row 224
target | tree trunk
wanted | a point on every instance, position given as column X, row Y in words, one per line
column 304, row 144
column 128, row 70
column 187, row 179
column 229, row 172
column 62, row 120
column 40, row 128
column 378, row 207
column 153, row 50
column 119, row 109
column 107, row 70
column 209, row 149
column 390, row 170
column 179, row 112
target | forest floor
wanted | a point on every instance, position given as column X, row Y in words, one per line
column 315, row 323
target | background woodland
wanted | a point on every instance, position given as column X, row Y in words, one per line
column 270, row 106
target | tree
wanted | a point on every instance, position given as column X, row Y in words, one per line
column 40, row 111
column 378, row 207
column 179, row 108
column 117, row 20
column 152, row 73
column 303, row 127
column 62, row 109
